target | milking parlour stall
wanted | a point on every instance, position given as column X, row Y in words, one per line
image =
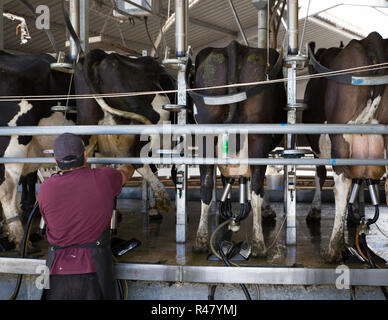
column 257, row 129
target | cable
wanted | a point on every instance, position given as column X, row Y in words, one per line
column 378, row 66
column 23, row 250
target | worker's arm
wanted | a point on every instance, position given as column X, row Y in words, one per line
column 127, row 171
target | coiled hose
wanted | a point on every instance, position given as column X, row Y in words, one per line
column 221, row 255
column 367, row 256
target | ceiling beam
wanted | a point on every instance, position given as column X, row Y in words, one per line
column 205, row 24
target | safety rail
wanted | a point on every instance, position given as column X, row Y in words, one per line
column 218, row 274
column 202, row 130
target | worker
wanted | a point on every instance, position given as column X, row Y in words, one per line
column 77, row 204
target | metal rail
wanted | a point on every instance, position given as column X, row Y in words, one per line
column 214, row 274
column 213, row 161
column 199, row 129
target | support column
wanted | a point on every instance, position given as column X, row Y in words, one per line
column 181, row 9
column 84, row 24
column 74, row 19
column 1, row 25
column 262, row 21
column 290, row 170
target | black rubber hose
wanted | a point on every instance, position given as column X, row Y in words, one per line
column 23, row 250
column 226, row 261
column 375, row 217
column 372, row 263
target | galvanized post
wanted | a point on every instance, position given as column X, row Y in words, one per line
column 262, row 22
column 1, row 25
column 74, row 14
column 290, row 170
column 84, row 24
column 181, row 9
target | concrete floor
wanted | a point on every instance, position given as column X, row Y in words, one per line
column 158, row 237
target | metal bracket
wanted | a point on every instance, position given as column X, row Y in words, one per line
column 301, row 61
column 61, row 65
column 67, row 109
column 173, row 107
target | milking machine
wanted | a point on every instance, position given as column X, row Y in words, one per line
column 363, row 228
column 373, row 191
column 227, row 250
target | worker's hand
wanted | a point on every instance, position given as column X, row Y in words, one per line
column 127, row 171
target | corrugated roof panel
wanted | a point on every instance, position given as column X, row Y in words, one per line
column 214, row 12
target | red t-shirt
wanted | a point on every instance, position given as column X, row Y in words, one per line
column 77, row 207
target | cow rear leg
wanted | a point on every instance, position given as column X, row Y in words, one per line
column 342, row 187
column 8, row 195
column 162, row 200
column 201, row 243
column 257, row 182
column 314, row 214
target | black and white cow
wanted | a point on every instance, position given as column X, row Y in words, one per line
column 24, row 76
column 223, row 66
column 98, row 73
column 349, row 104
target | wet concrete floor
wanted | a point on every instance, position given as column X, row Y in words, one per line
column 159, row 245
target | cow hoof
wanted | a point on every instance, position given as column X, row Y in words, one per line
column 314, row 215
column 154, row 214
column 332, row 256
column 15, row 232
column 163, row 204
column 201, row 245
column 268, row 214
column 258, row 250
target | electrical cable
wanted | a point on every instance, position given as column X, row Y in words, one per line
column 23, row 250
column 368, row 258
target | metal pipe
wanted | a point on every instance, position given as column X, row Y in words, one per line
column 262, row 18
column 200, row 129
column 214, row 161
column 292, row 32
column 238, row 23
column 180, row 27
column 74, row 18
column 1, row 25
column 227, row 190
column 243, row 190
column 353, row 194
column 372, row 192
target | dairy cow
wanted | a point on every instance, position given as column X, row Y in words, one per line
column 99, row 72
column 263, row 104
column 343, row 103
column 26, row 76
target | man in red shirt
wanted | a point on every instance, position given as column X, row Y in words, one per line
column 77, row 206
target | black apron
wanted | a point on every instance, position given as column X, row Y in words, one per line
column 103, row 263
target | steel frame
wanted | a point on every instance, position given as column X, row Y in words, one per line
column 214, row 274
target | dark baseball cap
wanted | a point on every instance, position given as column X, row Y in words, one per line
column 68, row 147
